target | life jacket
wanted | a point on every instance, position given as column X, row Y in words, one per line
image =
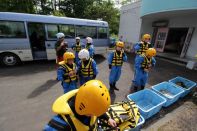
column 126, row 115
column 70, row 73
column 143, row 47
column 61, row 107
column 77, row 48
column 88, row 46
column 147, row 61
column 117, row 59
column 87, row 71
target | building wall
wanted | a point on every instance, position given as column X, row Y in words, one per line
column 178, row 21
column 155, row 6
column 130, row 22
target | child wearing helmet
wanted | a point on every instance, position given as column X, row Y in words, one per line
column 79, row 109
column 60, row 47
column 141, row 47
column 115, row 60
column 87, row 67
column 90, row 46
column 143, row 64
column 67, row 72
column 77, row 47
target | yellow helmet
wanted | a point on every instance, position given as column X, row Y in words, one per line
column 151, row 52
column 146, row 36
column 120, row 44
column 92, row 99
column 68, row 55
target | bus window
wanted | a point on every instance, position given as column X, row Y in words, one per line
column 84, row 31
column 52, row 30
column 9, row 29
column 102, row 33
column 68, row 30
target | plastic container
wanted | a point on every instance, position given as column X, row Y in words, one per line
column 169, row 91
column 148, row 102
column 139, row 125
column 188, row 83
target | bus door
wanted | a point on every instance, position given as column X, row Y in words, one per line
column 36, row 33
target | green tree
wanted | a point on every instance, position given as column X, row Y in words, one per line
column 104, row 10
column 89, row 9
column 74, row 8
column 22, row 6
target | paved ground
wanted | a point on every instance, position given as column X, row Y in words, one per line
column 182, row 118
column 28, row 91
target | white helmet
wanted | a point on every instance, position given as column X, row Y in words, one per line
column 84, row 54
column 77, row 38
column 60, row 35
column 89, row 40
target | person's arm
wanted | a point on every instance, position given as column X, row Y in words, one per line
column 110, row 121
column 136, row 46
column 95, row 69
column 138, row 62
column 79, row 68
column 124, row 57
column 73, row 47
column 59, row 46
column 60, row 74
column 91, row 51
column 110, row 58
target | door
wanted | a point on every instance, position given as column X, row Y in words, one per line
column 161, row 39
column 36, row 33
column 187, row 41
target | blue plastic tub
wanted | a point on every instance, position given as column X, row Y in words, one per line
column 190, row 84
column 169, row 91
column 148, row 102
column 139, row 125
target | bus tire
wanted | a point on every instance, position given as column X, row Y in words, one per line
column 9, row 59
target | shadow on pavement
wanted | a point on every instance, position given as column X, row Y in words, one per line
column 42, row 88
column 113, row 97
column 28, row 68
column 99, row 58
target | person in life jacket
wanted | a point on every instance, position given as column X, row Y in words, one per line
column 79, row 109
column 90, row 46
column 87, row 67
column 141, row 47
column 77, row 47
column 143, row 64
column 67, row 72
column 115, row 60
column 60, row 47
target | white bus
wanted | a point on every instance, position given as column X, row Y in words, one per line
column 28, row 37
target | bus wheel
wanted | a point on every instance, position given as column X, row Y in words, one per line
column 9, row 59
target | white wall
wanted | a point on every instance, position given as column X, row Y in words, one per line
column 130, row 22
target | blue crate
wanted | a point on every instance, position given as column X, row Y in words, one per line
column 148, row 102
column 172, row 92
column 187, row 83
column 139, row 125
